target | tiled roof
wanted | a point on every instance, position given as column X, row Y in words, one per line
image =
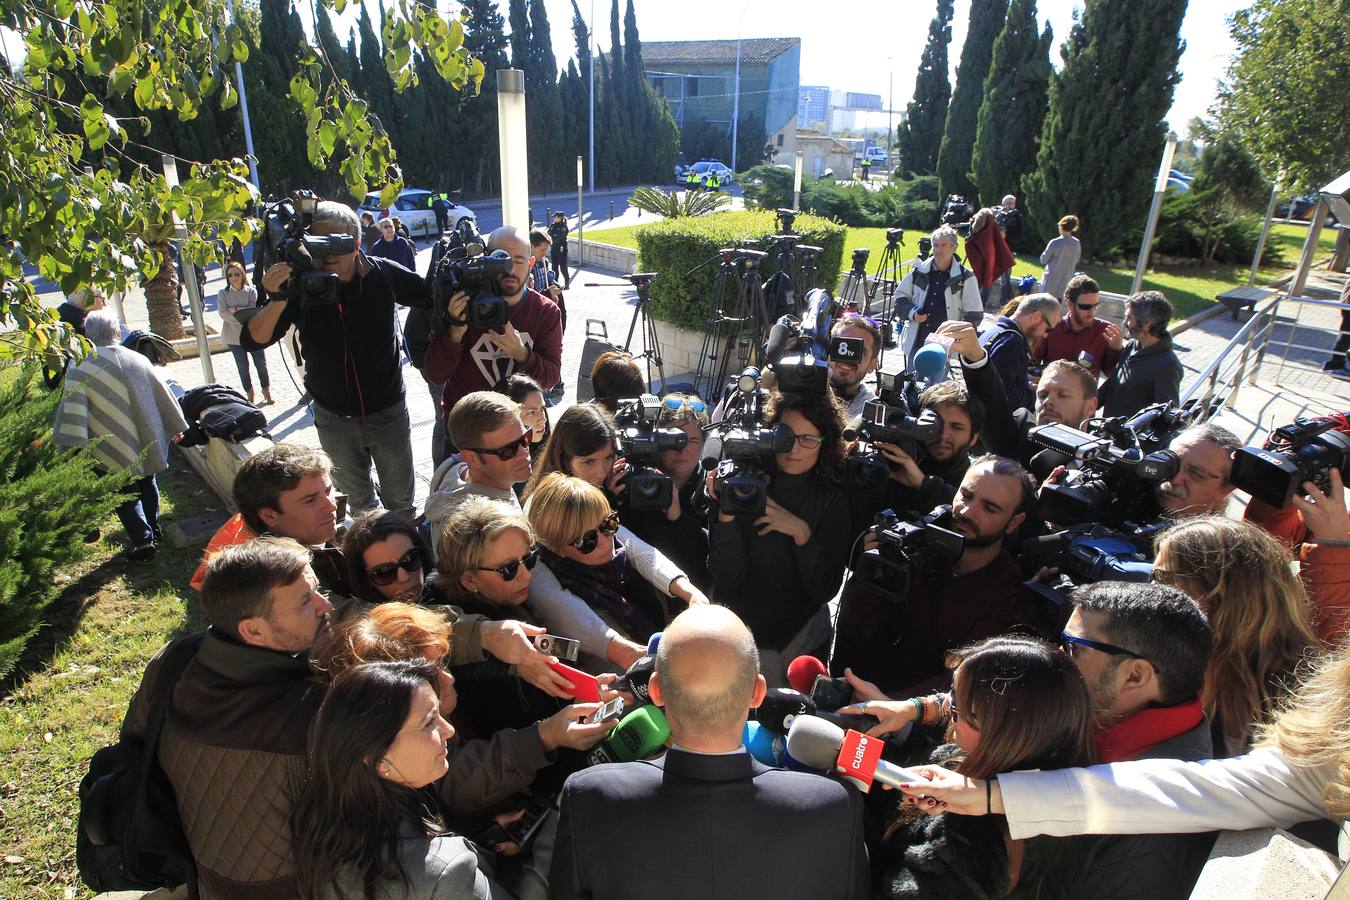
column 753, row 50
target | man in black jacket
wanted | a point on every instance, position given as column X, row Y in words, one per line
column 353, row 364
column 1149, row 370
column 557, row 251
column 707, row 820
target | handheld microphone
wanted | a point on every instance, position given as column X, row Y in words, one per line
column 638, row 735
column 802, row 672
column 780, row 706
column 635, row 680
column 851, row 754
column 763, row 744
column 654, row 642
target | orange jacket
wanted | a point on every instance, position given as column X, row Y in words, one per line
column 1325, row 567
column 234, row 531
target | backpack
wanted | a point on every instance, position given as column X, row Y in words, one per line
column 214, row 410
column 129, row 835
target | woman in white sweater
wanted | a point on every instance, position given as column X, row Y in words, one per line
column 1300, row 770
column 1061, row 257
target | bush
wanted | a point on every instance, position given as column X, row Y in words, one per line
column 1191, row 227
column 675, row 246
column 49, row 500
column 677, row 204
column 909, row 204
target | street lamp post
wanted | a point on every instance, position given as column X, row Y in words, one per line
column 736, row 99
column 190, row 285
column 591, row 147
column 511, row 138
column 797, row 182
column 1159, row 189
column 581, row 228
column 243, row 111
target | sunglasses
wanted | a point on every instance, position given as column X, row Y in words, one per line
column 385, row 573
column 508, row 571
column 1086, row 307
column 506, row 452
column 1069, row 641
column 675, row 404
column 588, row 541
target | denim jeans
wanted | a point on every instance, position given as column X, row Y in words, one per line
column 383, row 438
column 438, row 449
column 139, row 513
column 241, row 363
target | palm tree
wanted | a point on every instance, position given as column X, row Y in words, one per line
column 161, row 297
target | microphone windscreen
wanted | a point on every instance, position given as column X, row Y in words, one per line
column 815, row 742
column 802, row 673
column 712, row 451
column 763, row 744
column 780, row 705
column 639, row 734
column 653, row 643
column 779, row 335
column 930, row 360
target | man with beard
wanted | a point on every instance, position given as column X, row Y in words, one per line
column 846, row 378
column 237, row 727
column 1149, row 371
column 468, row 359
column 902, row 647
column 1080, row 336
column 1201, row 487
column 934, row 478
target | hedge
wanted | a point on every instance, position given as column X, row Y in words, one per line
column 673, row 247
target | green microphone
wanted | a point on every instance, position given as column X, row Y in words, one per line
column 638, row 735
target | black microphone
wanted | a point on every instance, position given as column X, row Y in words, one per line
column 712, row 451
column 779, row 335
column 781, row 706
column 635, row 680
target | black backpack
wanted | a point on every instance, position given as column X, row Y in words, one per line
column 129, row 835
column 214, row 410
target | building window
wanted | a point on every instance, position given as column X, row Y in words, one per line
column 691, row 87
column 780, row 140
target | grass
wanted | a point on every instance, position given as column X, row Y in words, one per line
column 69, row 696
column 1190, row 288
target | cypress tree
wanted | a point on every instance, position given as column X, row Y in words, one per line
column 354, row 64
column 1105, row 130
column 329, row 45
column 475, row 141
column 541, row 86
column 920, row 135
column 958, row 138
column 519, row 17
column 609, row 137
column 580, row 112
column 1013, row 110
column 374, row 76
column 618, row 94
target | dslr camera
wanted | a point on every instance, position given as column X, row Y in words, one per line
column 648, row 487
column 1304, row 450
column 285, row 238
column 1121, row 461
column 459, row 263
column 741, row 451
column 908, row 551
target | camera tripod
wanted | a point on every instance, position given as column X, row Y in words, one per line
column 855, row 294
column 651, row 342
column 738, row 319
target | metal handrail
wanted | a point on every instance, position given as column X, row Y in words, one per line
column 1224, row 379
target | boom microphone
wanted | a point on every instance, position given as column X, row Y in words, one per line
column 802, row 672
column 638, row 735
column 851, row 754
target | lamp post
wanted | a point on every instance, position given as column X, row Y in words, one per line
column 890, row 110
column 581, row 228
column 797, row 182
column 194, row 292
column 736, row 98
column 1159, row 189
column 591, row 146
column 511, row 139
column 243, row 111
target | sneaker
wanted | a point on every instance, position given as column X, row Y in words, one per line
column 142, row 552
column 1335, row 364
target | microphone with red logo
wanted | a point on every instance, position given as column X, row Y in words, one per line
column 850, row 754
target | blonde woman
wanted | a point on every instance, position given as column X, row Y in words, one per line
column 237, row 296
column 1262, row 625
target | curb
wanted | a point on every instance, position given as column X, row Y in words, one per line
column 1190, row 322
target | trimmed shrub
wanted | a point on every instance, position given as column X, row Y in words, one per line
column 675, row 246
column 911, row 203
column 49, row 500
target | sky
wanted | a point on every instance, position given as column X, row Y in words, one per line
column 876, row 50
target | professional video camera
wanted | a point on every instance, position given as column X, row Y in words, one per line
column 458, row 263
column 1121, row 460
column 786, row 218
column 1084, row 554
column 790, row 352
column 740, row 450
column 887, row 419
column 1305, row 450
column 908, row 551
column 284, row 239
column 648, row 487
column 957, row 212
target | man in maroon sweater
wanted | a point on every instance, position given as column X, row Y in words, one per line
column 468, row 359
column 1080, row 331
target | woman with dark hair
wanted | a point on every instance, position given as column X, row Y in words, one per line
column 614, row 377
column 778, row 570
column 1016, row 703
column 386, row 557
column 533, row 411
column 367, row 822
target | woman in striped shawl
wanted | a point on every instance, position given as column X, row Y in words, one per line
column 116, row 405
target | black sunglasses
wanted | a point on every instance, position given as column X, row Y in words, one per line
column 506, row 452
column 509, row 570
column 1069, row 641
column 588, row 541
column 1085, row 307
column 385, row 573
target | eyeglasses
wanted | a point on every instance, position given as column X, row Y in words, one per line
column 1195, row 473
column 508, row 571
column 385, row 573
column 809, row 441
column 588, row 541
column 506, row 452
column 1086, row 307
column 1069, row 641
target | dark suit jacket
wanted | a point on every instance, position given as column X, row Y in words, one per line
column 709, row 827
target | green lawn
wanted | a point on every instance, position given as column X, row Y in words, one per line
column 1190, row 288
column 101, row 632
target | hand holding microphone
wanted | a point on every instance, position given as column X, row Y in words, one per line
column 638, row 735
column 852, row 754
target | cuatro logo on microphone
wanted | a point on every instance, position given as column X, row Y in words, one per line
column 858, row 758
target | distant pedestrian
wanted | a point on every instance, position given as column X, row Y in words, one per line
column 370, row 232
column 237, row 296
column 1060, row 258
column 866, row 169
column 1149, row 371
column 115, row 404
column 400, row 229
column 440, row 204
column 557, row 233
column 393, row 247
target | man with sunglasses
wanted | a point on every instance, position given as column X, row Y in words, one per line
column 1080, row 336
column 1009, row 344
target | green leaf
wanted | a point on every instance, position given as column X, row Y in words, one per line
column 228, row 95
column 327, row 137
column 145, row 91
column 240, row 49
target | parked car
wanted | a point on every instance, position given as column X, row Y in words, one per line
column 704, row 170
column 876, row 156
column 413, row 207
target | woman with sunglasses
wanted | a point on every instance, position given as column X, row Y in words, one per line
column 1263, row 633
column 681, row 530
column 578, row 531
column 1016, row 703
column 237, row 296
column 779, row 570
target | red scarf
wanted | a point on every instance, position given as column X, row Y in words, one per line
column 1128, row 738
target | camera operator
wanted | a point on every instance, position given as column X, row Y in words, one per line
column 902, row 646
column 353, row 363
column 1148, row 371
column 778, row 571
column 919, row 486
column 1202, row 487
column 939, row 289
column 848, row 379
column 1009, row 220
column 468, row 359
column 681, row 531
column 1010, row 342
